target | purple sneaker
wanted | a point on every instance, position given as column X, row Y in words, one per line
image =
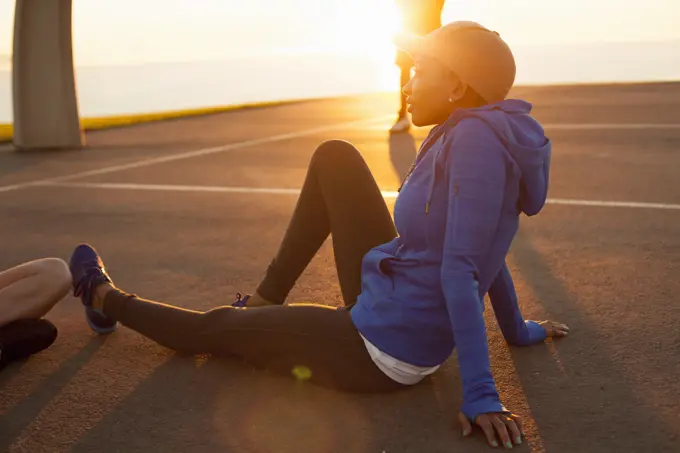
column 88, row 272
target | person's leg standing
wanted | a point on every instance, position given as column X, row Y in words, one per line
column 405, row 64
column 405, row 77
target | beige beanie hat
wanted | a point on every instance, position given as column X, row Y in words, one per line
column 474, row 53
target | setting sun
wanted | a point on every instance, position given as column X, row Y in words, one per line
column 366, row 28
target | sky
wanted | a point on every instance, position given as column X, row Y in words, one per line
column 140, row 31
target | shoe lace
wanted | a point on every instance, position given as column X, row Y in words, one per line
column 92, row 269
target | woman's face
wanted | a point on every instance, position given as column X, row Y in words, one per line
column 432, row 92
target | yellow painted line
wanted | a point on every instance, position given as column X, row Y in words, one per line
column 105, row 122
column 5, row 132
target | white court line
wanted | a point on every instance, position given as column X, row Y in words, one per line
column 193, row 153
column 613, row 204
column 172, row 188
column 284, row 191
column 303, row 133
column 612, row 126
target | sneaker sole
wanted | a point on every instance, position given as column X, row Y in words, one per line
column 97, row 329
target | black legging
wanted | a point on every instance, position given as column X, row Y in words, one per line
column 339, row 196
column 310, row 341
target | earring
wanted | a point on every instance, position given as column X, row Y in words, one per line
column 451, row 100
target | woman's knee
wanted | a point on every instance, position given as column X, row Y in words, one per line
column 55, row 274
column 335, row 152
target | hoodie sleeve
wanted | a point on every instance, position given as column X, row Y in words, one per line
column 476, row 183
column 504, row 301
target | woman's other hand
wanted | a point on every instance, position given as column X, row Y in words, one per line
column 506, row 427
column 554, row 329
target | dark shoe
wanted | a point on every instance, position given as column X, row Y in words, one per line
column 241, row 300
column 88, row 272
column 24, row 337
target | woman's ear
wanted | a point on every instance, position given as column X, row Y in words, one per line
column 458, row 91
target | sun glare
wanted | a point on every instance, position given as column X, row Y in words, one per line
column 367, row 28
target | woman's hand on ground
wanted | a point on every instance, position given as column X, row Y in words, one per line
column 507, row 426
column 554, row 329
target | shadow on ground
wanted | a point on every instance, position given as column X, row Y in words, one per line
column 20, row 416
column 403, row 151
column 207, row 405
column 575, row 381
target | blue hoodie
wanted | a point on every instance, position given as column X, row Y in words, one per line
column 456, row 215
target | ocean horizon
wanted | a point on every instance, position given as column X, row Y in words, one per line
column 164, row 86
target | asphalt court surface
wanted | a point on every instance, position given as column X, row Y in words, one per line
column 190, row 211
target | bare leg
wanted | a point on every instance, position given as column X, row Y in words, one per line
column 31, row 289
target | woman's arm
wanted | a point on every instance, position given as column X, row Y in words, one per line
column 476, row 184
column 504, row 301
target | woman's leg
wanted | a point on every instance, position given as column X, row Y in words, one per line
column 339, row 197
column 307, row 341
column 31, row 289
column 28, row 292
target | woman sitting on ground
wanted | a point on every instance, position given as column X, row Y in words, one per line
column 413, row 289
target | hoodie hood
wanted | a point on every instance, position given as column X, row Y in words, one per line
column 525, row 141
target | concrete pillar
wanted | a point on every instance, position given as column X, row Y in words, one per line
column 43, row 81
